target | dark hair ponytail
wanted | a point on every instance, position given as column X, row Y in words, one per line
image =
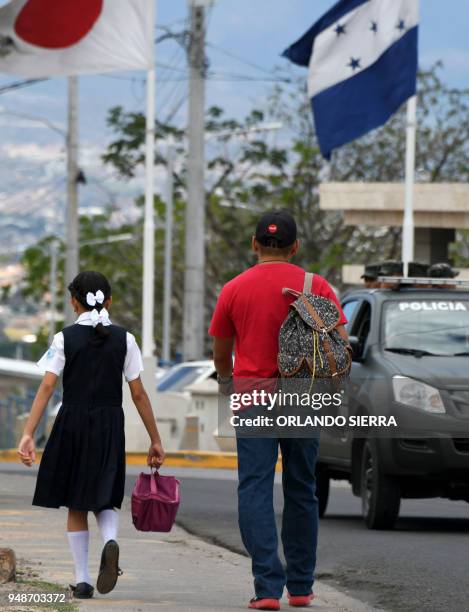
column 92, row 282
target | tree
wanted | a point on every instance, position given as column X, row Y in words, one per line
column 250, row 174
column 120, row 261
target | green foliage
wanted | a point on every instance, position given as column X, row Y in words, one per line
column 249, row 174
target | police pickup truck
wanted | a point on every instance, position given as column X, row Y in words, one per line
column 410, row 365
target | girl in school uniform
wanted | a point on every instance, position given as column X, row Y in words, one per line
column 83, row 464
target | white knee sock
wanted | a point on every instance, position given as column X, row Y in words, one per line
column 108, row 523
column 79, row 541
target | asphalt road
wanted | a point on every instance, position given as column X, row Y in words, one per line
column 423, row 565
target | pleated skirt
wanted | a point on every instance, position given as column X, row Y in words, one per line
column 83, row 464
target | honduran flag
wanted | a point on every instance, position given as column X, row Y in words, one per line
column 362, row 58
column 43, row 38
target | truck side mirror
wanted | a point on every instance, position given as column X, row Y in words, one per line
column 357, row 349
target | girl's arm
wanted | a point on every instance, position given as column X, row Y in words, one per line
column 142, row 403
column 27, row 448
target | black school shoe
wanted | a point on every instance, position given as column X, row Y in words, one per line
column 109, row 568
column 82, row 590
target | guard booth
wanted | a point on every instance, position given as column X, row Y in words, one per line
column 440, row 209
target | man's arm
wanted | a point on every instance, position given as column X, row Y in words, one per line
column 223, row 332
column 223, row 356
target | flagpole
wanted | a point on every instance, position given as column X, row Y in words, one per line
column 136, row 438
column 408, row 223
column 148, row 303
column 168, row 251
column 408, row 226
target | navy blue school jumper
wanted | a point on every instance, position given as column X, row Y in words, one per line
column 83, row 464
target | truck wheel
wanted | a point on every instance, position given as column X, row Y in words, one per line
column 380, row 494
column 322, row 489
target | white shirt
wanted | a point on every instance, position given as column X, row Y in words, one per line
column 54, row 359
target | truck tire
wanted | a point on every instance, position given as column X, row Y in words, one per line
column 322, row 489
column 381, row 497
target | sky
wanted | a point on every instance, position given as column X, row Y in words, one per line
column 245, row 40
column 254, row 30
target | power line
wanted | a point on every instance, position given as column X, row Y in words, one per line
column 176, row 108
column 177, row 60
column 213, row 76
column 20, row 84
column 220, row 76
column 239, row 58
column 172, row 23
column 174, row 92
column 170, row 67
column 37, row 119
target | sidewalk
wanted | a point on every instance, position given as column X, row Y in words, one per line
column 175, row 572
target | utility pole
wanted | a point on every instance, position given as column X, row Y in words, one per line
column 193, row 326
column 53, row 289
column 71, row 256
column 168, row 255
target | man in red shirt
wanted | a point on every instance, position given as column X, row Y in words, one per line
column 249, row 313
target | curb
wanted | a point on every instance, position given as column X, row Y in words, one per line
column 191, row 459
column 185, row 459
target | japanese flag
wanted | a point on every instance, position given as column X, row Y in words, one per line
column 43, row 38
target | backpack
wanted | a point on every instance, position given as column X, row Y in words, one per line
column 309, row 344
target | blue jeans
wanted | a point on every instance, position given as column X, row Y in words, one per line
column 257, row 458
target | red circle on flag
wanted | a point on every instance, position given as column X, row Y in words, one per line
column 53, row 24
column 272, row 228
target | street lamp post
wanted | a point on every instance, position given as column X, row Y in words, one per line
column 168, row 255
column 71, row 256
column 169, row 196
column 53, row 290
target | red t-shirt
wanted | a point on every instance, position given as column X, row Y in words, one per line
column 252, row 308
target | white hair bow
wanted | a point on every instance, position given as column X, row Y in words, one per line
column 99, row 317
column 94, row 298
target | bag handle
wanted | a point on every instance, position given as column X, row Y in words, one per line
column 153, row 475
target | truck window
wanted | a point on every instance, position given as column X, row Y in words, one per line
column 349, row 310
column 435, row 325
column 362, row 323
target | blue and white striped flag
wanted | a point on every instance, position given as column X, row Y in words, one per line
column 362, row 57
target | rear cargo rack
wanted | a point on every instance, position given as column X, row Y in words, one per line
column 403, row 282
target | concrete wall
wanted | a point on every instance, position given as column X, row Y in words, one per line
column 436, row 205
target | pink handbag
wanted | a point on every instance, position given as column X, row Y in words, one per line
column 155, row 502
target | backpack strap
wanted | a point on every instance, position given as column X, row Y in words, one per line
column 308, row 286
